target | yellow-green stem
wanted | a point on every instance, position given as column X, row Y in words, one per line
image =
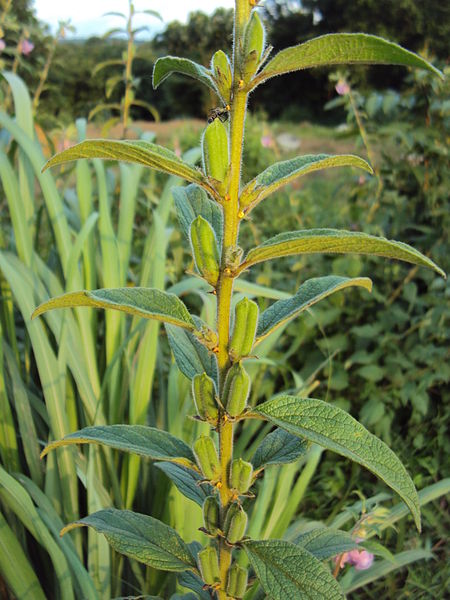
column 225, row 285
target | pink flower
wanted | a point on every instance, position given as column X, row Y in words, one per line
column 26, row 47
column 342, row 87
column 2, row 45
column 267, row 141
column 360, row 559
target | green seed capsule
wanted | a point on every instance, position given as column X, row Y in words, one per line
column 237, row 581
column 253, row 45
column 244, row 331
column 215, row 150
column 205, row 250
column 204, row 393
column 236, row 389
column 235, row 523
column 220, row 66
column 208, row 563
column 241, row 475
column 207, row 458
column 211, row 515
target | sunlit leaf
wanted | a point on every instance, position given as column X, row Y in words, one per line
column 167, row 65
column 334, row 429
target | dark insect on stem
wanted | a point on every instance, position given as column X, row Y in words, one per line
column 219, row 113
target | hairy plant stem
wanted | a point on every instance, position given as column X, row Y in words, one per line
column 225, row 284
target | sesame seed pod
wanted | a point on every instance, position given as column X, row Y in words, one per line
column 241, row 475
column 207, row 459
column 244, row 330
column 253, row 45
column 211, row 515
column 205, row 250
column 208, row 563
column 235, row 523
column 220, row 66
column 215, row 150
column 236, row 390
column 237, row 581
column 204, row 394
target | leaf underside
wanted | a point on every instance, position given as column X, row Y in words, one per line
column 149, row 303
column 167, row 65
column 192, row 201
column 309, row 293
column 140, row 537
column 288, row 571
column 136, row 439
column 334, row 241
column 334, row 429
column 279, row 447
column 187, row 481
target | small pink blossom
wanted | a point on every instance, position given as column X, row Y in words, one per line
column 360, row 559
column 267, row 141
column 361, row 180
column 342, row 87
column 2, row 45
column 26, row 47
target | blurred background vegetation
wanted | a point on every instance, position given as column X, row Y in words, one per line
column 383, row 357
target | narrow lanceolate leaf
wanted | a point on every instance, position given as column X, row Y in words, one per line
column 136, row 439
column 286, row 571
column 191, row 201
column 167, row 65
column 324, row 542
column 334, row 429
column 309, row 293
column 133, row 151
column 334, row 241
column 338, row 49
column 277, row 448
column 143, row 302
column 282, row 173
column 187, row 481
column 140, row 537
column 191, row 356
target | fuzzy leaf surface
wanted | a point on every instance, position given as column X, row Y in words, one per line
column 324, row 542
column 133, row 151
column 167, row 65
column 149, row 303
column 191, row 202
column 334, row 241
column 187, row 481
column 140, row 537
column 288, row 571
column 136, row 439
column 277, row 448
column 282, row 173
column 334, row 429
column 191, row 356
column 309, row 293
column 339, row 49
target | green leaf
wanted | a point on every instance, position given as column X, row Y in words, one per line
column 140, row 537
column 191, row 202
column 282, row 173
column 187, row 481
column 136, row 439
column 149, row 303
column 334, row 429
column 338, row 49
column 309, row 293
column 288, row 571
column 278, row 448
column 167, row 65
column 334, row 241
column 134, row 151
column 190, row 580
column 191, row 356
column 324, row 542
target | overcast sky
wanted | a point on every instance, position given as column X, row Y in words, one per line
column 86, row 15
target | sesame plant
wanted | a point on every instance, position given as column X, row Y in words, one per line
column 211, row 208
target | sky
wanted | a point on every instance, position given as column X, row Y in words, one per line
column 86, row 15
